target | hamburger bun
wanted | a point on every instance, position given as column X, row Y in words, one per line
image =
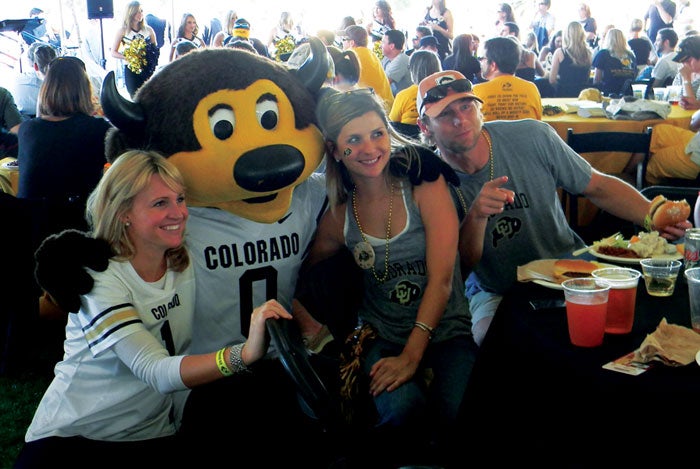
column 666, row 212
column 590, row 94
column 565, row 269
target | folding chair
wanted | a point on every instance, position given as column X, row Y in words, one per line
column 592, row 142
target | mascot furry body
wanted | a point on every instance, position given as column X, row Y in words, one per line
column 242, row 131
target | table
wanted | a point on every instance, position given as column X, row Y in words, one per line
column 561, row 122
column 539, row 397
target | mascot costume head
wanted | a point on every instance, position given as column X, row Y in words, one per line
column 240, row 127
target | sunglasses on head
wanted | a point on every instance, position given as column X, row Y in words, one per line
column 68, row 58
column 440, row 92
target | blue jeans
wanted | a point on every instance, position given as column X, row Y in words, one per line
column 451, row 362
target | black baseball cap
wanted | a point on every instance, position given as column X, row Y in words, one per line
column 689, row 47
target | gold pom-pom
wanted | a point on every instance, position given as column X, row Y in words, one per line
column 135, row 55
column 284, row 46
column 378, row 50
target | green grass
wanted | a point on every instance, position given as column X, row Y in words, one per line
column 19, row 396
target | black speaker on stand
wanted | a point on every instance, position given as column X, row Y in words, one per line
column 99, row 9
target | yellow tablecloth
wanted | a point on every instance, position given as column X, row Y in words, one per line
column 603, row 161
column 561, row 122
column 8, row 177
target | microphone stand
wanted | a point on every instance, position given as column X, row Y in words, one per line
column 102, row 41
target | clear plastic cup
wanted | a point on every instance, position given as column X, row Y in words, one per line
column 586, row 310
column 622, row 298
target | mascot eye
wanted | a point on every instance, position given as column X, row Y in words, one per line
column 267, row 112
column 222, row 122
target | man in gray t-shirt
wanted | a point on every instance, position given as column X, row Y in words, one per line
column 395, row 62
column 509, row 173
column 665, row 69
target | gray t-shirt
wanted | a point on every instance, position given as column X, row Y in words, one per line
column 391, row 306
column 397, row 72
column 537, row 162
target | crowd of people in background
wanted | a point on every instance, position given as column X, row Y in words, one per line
column 625, row 50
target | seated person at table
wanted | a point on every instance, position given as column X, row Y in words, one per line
column 530, row 65
column 524, row 218
column 614, row 64
column 421, row 64
column 671, row 156
column 10, row 119
column 688, row 54
column 642, row 47
column 27, row 85
column 506, row 96
column 571, row 63
column 61, row 151
column 666, row 68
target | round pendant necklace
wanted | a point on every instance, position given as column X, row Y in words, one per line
column 488, row 141
column 363, row 251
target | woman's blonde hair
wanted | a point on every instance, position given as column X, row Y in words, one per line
column 616, row 44
column 335, row 109
column 231, row 18
column 573, row 42
column 131, row 9
column 130, row 174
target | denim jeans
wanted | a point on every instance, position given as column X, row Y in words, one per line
column 451, row 362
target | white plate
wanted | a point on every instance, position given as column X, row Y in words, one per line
column 697, row 357
column 634, row 260
column 552, row 285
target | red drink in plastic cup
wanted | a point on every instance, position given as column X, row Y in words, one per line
column 586, row 323
column 586, row 310
column 622, row 298
column 621, row 303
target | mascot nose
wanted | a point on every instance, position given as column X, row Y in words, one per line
column 269, row 168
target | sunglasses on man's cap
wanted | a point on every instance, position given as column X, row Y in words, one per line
column 439, row 92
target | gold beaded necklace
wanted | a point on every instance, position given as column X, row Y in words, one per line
column 488, row 141
column 364, row 253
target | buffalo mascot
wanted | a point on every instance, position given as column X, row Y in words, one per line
column 242, row 130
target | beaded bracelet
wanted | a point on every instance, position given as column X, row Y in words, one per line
column 235, row 360
column 424, row 327
column 221, row 363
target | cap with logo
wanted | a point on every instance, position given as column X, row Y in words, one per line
column 353, row 32
column 439, row 90
column 241, row 28
column 428, row 41
column 689, row 47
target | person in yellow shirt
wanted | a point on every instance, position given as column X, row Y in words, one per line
column 372, row 73
column 505, row 96
column 421, row 64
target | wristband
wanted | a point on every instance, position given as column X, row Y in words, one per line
column 221, row 363
column 424, row 327
column 235, row 360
